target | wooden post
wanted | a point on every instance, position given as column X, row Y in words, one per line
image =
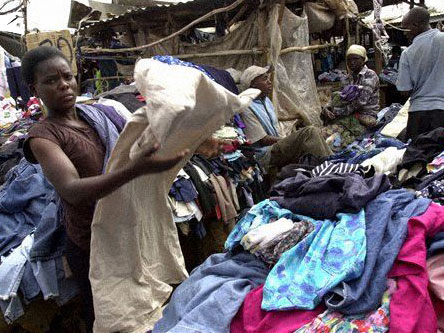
column 358, row 34
column 25, row 15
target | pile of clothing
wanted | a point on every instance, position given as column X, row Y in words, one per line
column 342, row 244
column 335, row 75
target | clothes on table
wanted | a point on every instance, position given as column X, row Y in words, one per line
column 209, row 299
column 251, row 318
column 334, row 252
column 372, row 322
column 386, row 219
column 157, row 258
column 411, row 309
column 324, row 196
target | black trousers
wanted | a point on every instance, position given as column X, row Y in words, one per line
column 423, row 121
column 78, row 261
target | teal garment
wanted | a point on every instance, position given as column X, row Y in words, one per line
column 334, row 252
column 266, row 211
column 263, row 109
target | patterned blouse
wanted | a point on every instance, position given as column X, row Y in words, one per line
column 368, row 101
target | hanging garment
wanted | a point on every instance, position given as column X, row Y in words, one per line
column 334, row 252
column 16, row 84
column 135, row 251
column 224, row 199
column 411, row 310
column 386, row 220
column 209, row 299
column 252, row 319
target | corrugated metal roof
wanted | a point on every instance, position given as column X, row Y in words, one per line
column 140, row 10
column 434, row 17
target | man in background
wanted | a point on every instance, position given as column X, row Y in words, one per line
column 421, row 69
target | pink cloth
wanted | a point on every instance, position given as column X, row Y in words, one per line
column 435, row 268
column 411, row 308
column 252, row 319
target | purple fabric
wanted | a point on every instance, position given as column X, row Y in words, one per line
column 350, row 93
column 112, row 115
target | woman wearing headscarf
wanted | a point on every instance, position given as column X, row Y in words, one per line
column 355, row 107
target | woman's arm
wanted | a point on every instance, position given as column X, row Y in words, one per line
column 60, row 171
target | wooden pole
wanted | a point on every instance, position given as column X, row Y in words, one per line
column 177, row 33
column 237, row 52
column 307, row 48
column 254, row 51
column 25, row 15
column 220, row 53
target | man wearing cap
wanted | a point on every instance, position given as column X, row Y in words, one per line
column 355, row 108
column 261, row 127
column 421, row 69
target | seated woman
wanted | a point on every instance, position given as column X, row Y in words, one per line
column 354, row 109
column 72, row 157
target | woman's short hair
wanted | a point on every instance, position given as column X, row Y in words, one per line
column 34, row 57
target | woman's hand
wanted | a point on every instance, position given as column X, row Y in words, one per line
column 148, row 162
column 328, row 113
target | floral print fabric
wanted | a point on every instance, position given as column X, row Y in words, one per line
column 334, row 252
column 334, row 322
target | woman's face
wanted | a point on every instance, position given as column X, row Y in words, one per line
column 355, row 63
column 55, row 84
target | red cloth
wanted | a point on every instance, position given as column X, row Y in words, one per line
column 411, row 309
column 435, row 269
column 251, row 318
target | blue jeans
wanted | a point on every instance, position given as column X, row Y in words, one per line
column 23, row 197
